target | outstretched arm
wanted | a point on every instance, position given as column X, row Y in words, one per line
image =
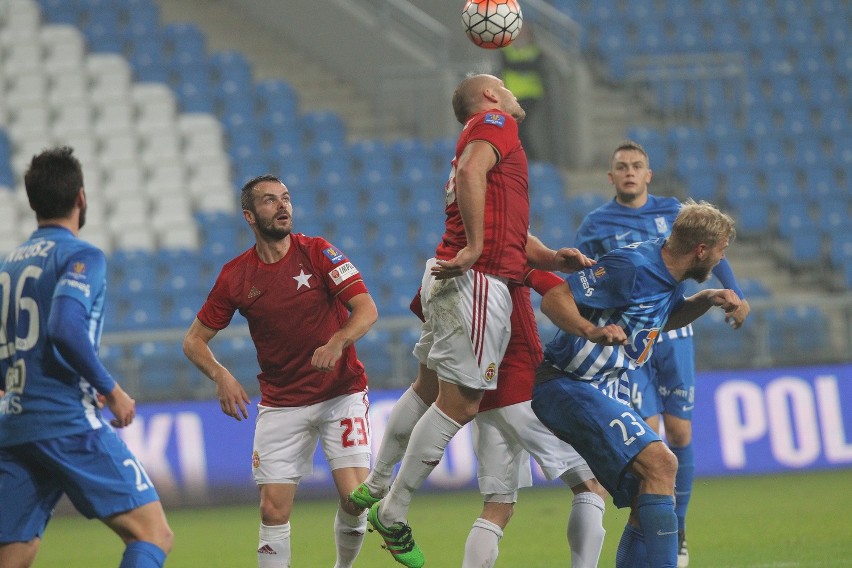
column 558, row 304
column 565, row 259
column 697, row 305
column 231, row 394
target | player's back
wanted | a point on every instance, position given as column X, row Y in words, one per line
column 45, row 396
column 629, row 286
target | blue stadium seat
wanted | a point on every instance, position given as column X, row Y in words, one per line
column 793, row 215
column 185, row 43
column 806, row 248
column 754, row 220
column 146, row 59
column 61, row 12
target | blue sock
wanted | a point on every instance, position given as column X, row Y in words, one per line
column 659, row 527
column 141, row 554
column 683, row 482
column 631, row 551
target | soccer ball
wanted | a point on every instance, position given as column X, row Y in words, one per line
column 492, row 23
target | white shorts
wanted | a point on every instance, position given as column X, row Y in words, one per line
column 467, row 327
column 505, row 438
column 285, row 439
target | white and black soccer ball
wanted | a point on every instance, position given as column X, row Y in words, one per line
column 492, row 24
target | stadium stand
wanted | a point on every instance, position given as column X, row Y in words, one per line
column 168, row 131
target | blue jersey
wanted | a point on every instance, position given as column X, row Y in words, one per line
column 630, row 287
column 45, row 397
column 613, row 226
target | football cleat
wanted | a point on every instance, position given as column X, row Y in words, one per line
column 398, row 540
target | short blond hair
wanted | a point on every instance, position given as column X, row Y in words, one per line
column 700, row 223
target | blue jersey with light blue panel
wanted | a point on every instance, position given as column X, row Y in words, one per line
column 630, row 287
column 45, row 397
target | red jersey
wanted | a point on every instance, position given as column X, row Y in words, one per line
column 292, row 306
column 516, row 374
column 507, row 203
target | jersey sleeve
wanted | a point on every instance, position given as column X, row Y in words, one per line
column 541, row 280
column 584, row 238
column 343, row 279
column 498, row 129
column 219, row 308
column 83, row 277
column 608, row 284
column 725, row 274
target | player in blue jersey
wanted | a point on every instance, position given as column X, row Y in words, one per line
column 581, row 390
column 53, row 438
column 667, row 384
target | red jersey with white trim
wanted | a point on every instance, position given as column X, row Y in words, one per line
column 293, row 306
column 507, row 203
column 524, row 352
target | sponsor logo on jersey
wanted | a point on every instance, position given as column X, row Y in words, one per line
column 642, row 345
column 333, row 254
column 495, row 119
column 343, row 272
column 490, row 372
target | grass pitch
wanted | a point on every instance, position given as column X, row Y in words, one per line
column 781, row 521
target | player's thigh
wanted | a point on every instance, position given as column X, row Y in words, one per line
column 557, row 458
column 607, row 433
column 676, row 377
column 503, row 466
column 285, row 440
column 345, row 434
column 100, row 475
column 470, row 322
column 27, row 501
column 644, row 394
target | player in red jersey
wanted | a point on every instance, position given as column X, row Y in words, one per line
column 306, row 305
column 465, row 292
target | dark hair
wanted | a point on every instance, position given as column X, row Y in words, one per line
column 246, row 201
column 53, row 182
column 630, row 145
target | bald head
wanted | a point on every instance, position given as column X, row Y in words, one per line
column 477, row 93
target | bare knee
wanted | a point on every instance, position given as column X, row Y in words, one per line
column 591, row 486
column 498, row 513
column 656, row 467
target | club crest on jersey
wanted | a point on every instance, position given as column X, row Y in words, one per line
column 253, row 293
column 662, row 225
column 333, row 254
column 491, row 372
column 599, row 272
column 495, row 119
column 79, row 267
column 342, row 272
column 642, row 345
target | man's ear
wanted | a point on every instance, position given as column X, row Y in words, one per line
column 701, row 251
column 248, row 216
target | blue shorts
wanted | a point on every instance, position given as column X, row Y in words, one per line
column 607, row 433
column 666, row 383
column 95, row 469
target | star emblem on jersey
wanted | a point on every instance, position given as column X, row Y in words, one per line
column 253, row 293
column 302, row 279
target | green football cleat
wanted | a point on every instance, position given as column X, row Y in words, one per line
column 362, row 497
column 398, row 540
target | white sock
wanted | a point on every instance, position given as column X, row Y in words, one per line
column 429, row 439
column 404, row 415
column 585, row 530
column 480, row 550
column 348, row 536
column 273, row 550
